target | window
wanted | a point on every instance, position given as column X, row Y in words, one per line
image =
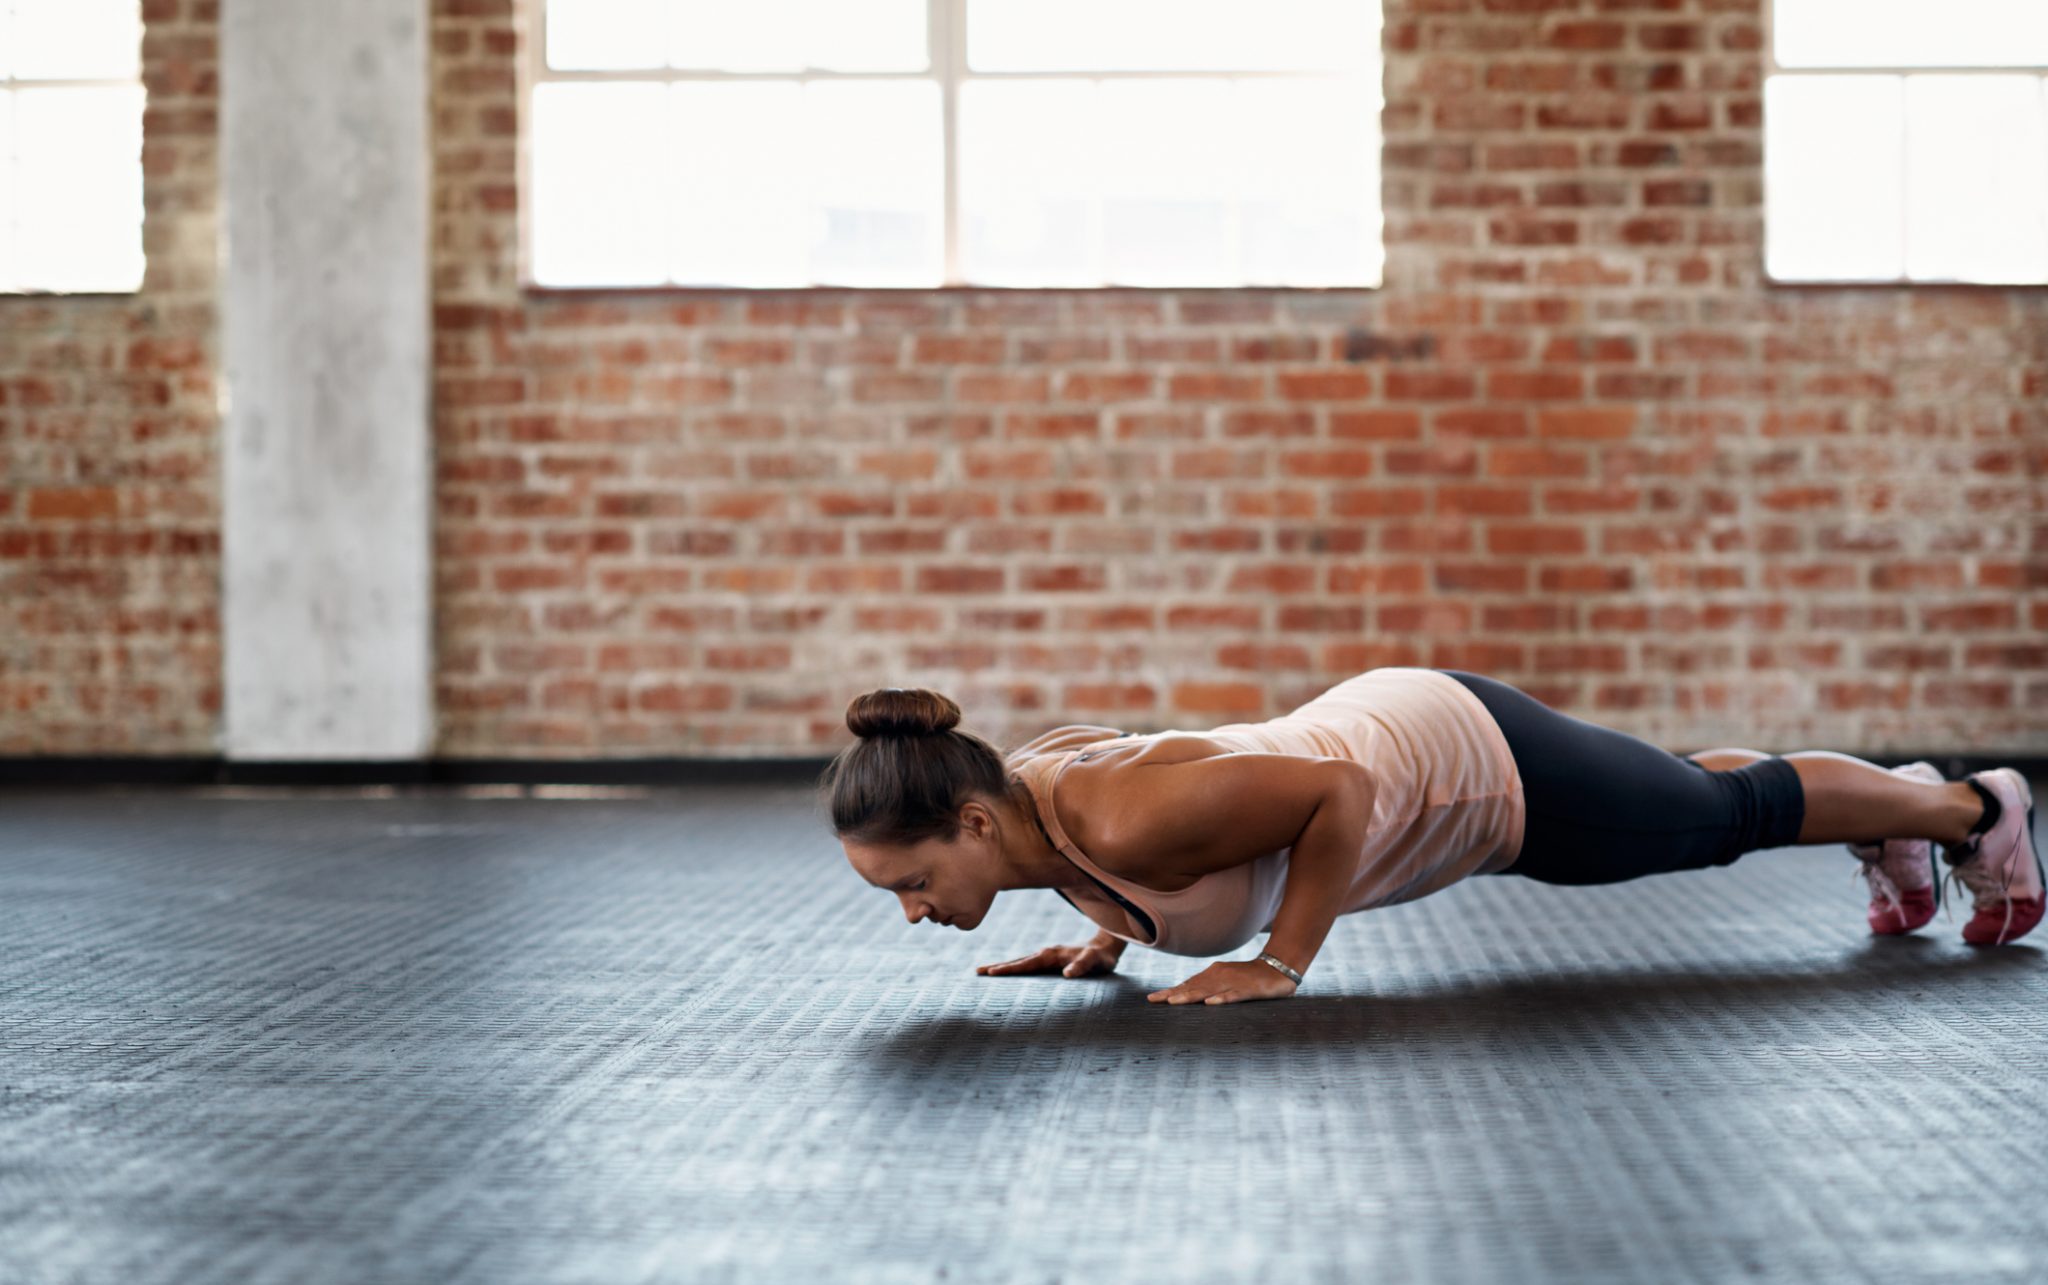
column 1907, row 141
column 70, row 145
column 924, row 143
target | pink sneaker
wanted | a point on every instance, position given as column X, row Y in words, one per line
column 2001, row 865
column 1904, row 886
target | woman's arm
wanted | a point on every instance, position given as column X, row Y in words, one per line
column 1205, row 815
column 1110, row 942
column 1319, row 873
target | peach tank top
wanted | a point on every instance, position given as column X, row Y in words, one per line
column 1449, row 805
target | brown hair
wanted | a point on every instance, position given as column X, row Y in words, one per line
column 903, row 782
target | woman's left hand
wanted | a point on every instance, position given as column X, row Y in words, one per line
column 1227, row 983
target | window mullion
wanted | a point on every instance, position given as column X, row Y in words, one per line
column 948, row 42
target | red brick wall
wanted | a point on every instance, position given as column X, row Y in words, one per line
column 109, row 463
column 1576, row 442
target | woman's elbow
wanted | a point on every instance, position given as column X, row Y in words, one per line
column 1353, row 781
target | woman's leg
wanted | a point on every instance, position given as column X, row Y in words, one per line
column 1603, row 806
column 1850, row 800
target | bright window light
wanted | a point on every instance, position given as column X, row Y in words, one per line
column 1911, row 143
column 922, row 143
column 1910, row 33
column 71, row 102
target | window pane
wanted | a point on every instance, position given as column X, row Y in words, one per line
column 1309, row 182
column 77, row 39
column 1977, row 154
column 78, row 198
column 607, row 35
column 1910, row 33
column 1172, row 35
column 1834, row 177
column 758, row 35
column 602, row 184
column 785, row 185
column 1029, row 183
column 1166, row 217
column 719, row 35
column 878, row 162
column 784, row 35
column 742, row 212
column 1254, row 182
column 867, row 35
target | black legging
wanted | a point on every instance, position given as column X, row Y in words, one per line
column 1604, row 806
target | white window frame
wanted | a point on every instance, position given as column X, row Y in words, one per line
column 946, row 23
column 1772, row 68
column 11, row 82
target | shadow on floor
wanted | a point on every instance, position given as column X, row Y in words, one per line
column 1545, row 1009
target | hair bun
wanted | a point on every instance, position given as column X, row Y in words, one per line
column 901, row 711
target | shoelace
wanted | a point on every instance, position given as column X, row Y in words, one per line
column 1880, row 882
column 1970, row 873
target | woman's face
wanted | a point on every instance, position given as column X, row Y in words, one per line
column 946, row 883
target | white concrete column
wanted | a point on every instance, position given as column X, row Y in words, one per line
column 326, row 315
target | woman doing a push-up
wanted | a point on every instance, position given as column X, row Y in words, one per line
column 1387, row 787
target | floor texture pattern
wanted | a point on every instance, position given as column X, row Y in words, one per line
column 676, row 1038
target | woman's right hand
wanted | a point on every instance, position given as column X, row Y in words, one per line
column 1069, row 961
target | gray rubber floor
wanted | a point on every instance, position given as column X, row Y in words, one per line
column 437, row 1038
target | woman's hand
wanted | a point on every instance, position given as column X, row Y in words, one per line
column 1071, row 961
column 1227, row 983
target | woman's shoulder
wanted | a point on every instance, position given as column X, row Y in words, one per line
column 1088, row 794
column 1105, row 746
column 1060, row 739
column 1153, row 747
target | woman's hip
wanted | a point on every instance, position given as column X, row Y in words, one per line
column 1604, row 806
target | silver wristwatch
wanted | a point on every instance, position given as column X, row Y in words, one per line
column 1294, row 976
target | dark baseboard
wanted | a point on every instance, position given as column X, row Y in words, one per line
column 98, row 771
column 141, row 772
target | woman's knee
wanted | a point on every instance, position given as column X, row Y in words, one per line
column 1725, row 760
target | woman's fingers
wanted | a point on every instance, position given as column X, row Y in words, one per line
column 1091, row 960
column 1194, row 988
column 1036, row 961
column 1070, row 961
column 1230, row 982
column 1007, row 966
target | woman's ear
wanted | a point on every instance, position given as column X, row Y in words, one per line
column 978, row 819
